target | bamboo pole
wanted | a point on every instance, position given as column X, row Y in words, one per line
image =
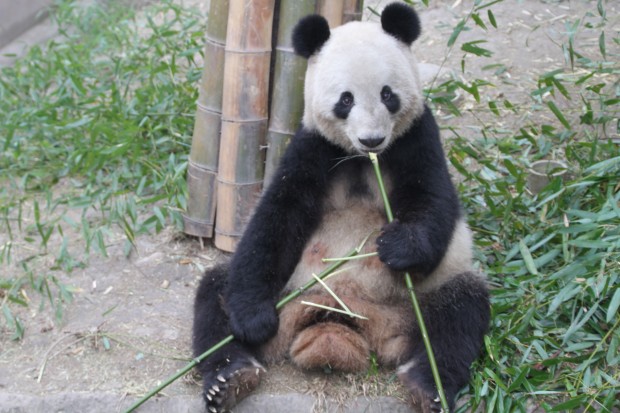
column 333, row 11
column 244, row 117
column 287, row 103
column 203, row 158
column 352, row 10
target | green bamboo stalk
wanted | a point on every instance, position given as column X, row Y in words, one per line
column 414, row 300
column 296, row 293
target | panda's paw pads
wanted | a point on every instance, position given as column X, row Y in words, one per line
column 231, row 384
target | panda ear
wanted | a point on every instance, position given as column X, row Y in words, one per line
column 310, row 34
column 401, row 21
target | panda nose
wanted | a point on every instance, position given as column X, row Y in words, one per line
column 372, row 142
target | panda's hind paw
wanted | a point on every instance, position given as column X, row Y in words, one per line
column 228, row 386
column 425, row 402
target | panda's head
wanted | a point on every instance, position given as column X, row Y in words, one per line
column 362, row 87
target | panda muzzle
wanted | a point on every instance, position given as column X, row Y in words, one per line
column 372, row 142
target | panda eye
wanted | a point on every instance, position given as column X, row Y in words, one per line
column 390, row 99
column 346, row 99
column 344, row 105
column 386, row 93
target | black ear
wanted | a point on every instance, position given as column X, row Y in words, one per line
column 401, row 21
column 310, row 34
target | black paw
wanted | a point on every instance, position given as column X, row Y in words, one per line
column 399, row 246
column 227, row 386
column 426, row 402
column 253, row 323
column 424, row 396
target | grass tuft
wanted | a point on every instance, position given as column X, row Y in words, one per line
column 96, row 127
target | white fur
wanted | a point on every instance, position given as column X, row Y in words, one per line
column 346, row 222
column 361, row 58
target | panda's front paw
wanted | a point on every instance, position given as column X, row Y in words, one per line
column 255, row 323
column 399, row 246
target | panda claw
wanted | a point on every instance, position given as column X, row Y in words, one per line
column 227, row 387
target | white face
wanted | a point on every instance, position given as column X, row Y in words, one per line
column 362, row 89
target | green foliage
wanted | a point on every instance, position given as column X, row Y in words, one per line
column 553, row 258
column 96, row 127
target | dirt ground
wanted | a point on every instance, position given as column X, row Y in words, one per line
column 129, row 324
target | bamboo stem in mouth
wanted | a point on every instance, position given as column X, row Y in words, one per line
column 414, row 300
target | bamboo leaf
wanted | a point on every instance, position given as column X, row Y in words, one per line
column 601, row 44
column 478, row 21
column 577, row 324
column 527, row 258
column 569, row 405
column 456, row 32
column 471, row 47
column 492, row 18
column 612, row 310
column 558, row 114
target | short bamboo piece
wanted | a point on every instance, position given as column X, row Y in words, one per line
column 333, row 11
column 287, row 103
column 244, row 117
column 199, row 219
column 352, row 10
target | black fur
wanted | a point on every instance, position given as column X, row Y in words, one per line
column 310, row 34
column 424, row 202
column 273, row 241
column 456, row 316
column 401, row 21
column 390, row 99
column 344, row 105
column 241, row 299
column 210, row 327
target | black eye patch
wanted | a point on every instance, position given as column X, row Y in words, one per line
column 344, row 105
column 390, row 99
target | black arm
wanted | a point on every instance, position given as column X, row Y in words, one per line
column 423, row 200
column 287, row 214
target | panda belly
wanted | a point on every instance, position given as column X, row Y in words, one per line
column 315, row 338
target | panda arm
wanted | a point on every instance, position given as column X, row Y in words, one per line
column 284, row 219
column 424, row 201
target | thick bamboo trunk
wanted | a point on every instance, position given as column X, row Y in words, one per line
column 244, row 117
column 352, row 10
column 287, row 102
column 332, row 10
column 203, row 159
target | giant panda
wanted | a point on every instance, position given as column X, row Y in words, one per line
column 362, row 94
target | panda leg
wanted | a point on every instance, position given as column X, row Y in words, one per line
column 232, row 372
column 456, row 317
